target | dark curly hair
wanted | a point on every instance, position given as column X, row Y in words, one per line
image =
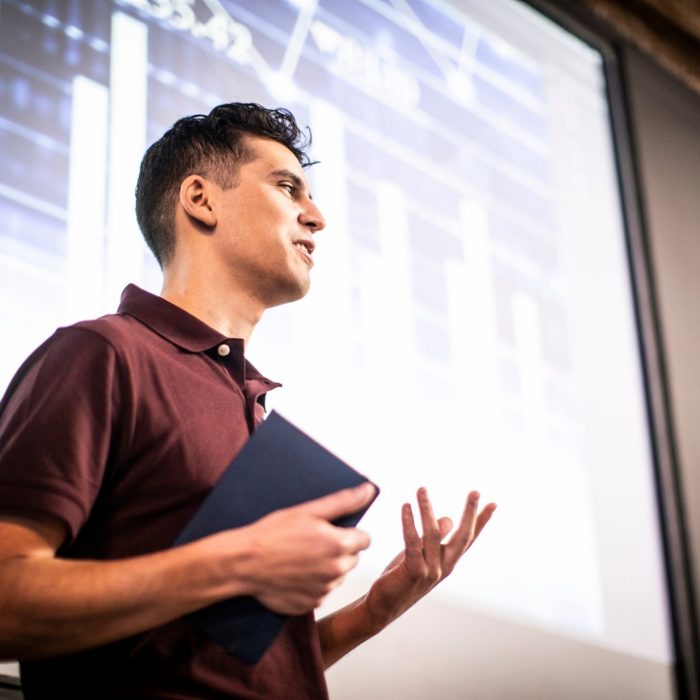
column 212, row 146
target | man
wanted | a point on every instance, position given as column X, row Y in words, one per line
column 114, row 430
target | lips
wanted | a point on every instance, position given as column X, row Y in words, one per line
column 305, row 248
column 305, row 244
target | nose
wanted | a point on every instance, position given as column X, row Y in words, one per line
column 311, row 217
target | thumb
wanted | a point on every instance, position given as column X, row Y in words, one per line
column 341, row 502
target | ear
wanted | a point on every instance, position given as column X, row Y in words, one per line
column 196, row 199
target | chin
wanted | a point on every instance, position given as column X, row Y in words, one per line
column 289, row 294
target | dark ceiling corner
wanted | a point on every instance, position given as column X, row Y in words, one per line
column 666, row 30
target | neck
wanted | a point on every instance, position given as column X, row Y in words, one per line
column 230, row 311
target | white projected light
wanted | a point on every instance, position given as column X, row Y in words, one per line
column 127, row 144
column 470, row 322
column 86, row 196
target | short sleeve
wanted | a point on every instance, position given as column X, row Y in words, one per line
column 56, row 427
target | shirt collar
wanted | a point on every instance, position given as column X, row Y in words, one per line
column 177, row 325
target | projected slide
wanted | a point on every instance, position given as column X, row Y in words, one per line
column 470, row 322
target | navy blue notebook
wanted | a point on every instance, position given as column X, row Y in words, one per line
column 279, row 466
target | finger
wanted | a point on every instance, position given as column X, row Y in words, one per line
column 431, row 531
column 352, row 540
column 464, row 534
column 349, row 563
column 444, row 526
column 341, row 502
column 483, row 518
column 411, row 538
column 338, row 569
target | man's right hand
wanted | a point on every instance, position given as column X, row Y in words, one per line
column 294, row 557
column 290, row 560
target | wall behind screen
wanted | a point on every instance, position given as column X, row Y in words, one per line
column 666, row 117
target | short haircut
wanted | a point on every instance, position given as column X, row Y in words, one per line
column 213, row 146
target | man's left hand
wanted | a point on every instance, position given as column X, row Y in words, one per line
column 425, row 560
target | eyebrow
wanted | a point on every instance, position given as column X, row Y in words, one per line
column 298, row 182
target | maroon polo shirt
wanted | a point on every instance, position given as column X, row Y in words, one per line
column 119, row 427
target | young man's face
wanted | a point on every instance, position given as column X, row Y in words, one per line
column 266, row 223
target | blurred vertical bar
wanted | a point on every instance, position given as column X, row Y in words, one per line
column 472, row 319
column 87, row 185
column 127, row 142
column 398, row 347
column 330, row 298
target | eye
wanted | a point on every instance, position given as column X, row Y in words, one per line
column 289, row 187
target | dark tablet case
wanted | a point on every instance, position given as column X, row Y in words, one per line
column 279, row 466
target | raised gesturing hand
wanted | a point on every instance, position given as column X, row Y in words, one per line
column 425, row 560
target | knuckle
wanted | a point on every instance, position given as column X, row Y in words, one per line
column 319, row 594
column 353, row 543
column 338, row 568
column 350, row 540
column 331, row 571
column 334, row 548
column 418, row 573
column 434, row 574
column 428, row 574
column 330, row 585
column 432, row 536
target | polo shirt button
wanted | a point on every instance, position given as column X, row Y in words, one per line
column 223, row 350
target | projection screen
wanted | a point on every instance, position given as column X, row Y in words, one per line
column 470, row 324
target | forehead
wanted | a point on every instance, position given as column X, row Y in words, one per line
column 271, row 156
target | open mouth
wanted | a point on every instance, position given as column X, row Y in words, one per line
column 306, row 248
